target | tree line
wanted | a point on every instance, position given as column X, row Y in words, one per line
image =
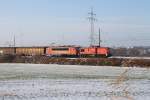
column 131, row 52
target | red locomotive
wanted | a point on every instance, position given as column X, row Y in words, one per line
column 71, row 51
column 62, row 51
column 94, row 52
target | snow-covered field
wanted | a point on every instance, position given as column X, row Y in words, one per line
column 66, row 82
column 130, row 57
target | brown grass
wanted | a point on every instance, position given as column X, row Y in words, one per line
column 125, row 88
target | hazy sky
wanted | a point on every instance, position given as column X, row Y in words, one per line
column 43, row 22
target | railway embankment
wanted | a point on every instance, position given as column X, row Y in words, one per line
column 103, row 62
column 122, row 62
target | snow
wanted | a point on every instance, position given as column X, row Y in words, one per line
column 130, row 57
column 71, row 82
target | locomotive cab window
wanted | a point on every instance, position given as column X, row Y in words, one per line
column 82, row 50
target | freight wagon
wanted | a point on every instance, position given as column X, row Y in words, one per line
column 7, row 50
column 29, row 51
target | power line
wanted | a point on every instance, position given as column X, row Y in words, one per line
column 14, row 40
column 92, row 19
column 99, row 37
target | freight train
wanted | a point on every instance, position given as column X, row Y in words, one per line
column 57, row 51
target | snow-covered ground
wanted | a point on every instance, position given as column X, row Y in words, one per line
column 70, row 82
column 130, row 57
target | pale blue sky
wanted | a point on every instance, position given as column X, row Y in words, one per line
column 42, row 22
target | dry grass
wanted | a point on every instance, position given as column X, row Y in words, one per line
column 77, row 61
column 119, row 84
column 121, row 78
